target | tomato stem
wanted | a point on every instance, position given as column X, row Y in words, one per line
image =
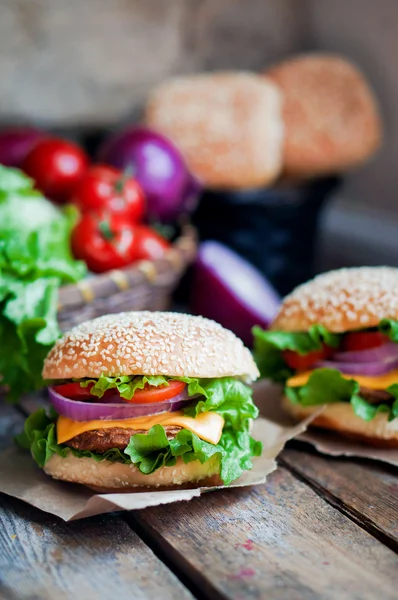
column 120, row 183
column 106, row 230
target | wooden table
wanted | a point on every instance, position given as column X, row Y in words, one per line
column 320, row 528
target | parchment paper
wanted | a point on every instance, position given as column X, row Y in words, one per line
column 268, row 396
column 21, row 478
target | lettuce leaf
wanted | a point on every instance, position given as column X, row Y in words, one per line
column 269, row 345
column 390, row 328
column 39, row 436
column 35, row 260
column 153, row 450
column 126, row 385
column 229, row 397
column 326, row 386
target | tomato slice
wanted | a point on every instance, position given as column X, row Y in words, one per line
column 73, row 391
column 356, row 341
column 145, row 396
column 157, row 394
column 302, row 362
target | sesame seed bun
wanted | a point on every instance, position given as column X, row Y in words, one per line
column 149, row 343
column 341, row 300
column 331, row 117
column 340, row 417
column 228, row 126
column 107, row 476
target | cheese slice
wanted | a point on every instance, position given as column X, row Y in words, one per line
column 207, row 425
column 378, row 382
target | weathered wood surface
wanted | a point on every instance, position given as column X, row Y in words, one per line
column 294, row 538
column 43, row 557
column 275, row 541
column 365, row 490
column 99, row 558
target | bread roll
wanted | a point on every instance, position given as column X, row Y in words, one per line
column 227, row 125
column 331, row 118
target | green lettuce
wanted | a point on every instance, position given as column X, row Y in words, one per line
column 269, row 345
column 126, row 385
column 326, row 386
column 39, row 436
column 229, row 397
column 35, row 260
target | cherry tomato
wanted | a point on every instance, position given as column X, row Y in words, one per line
column 150, row 245
column 302, row 362
column 158, row 394
column 57, row 166
column 107, row 188
column 73, row 391
column 356, row 341
column 104, row 242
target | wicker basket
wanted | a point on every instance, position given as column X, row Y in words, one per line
column 145, row 286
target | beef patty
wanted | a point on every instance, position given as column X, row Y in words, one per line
column 375, row 396
column 101, row 440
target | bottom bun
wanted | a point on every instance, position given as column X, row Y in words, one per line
column 110, row 476
column 340, row 417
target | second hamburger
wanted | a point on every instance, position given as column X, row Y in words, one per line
column 334, row 342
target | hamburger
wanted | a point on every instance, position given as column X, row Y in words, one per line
column 146, row 399
column 334, row 342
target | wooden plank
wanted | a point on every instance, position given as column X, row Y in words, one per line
column 275, row 541
column 366, row 491
column 43, row 557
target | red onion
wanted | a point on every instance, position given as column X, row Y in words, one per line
column 15, row 143
column 382, row 353
column 158, row 166
column 368, row 368
column 231, row 291
column 90, row 411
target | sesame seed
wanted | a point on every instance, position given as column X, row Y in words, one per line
column 342, row 300
column 150, row 343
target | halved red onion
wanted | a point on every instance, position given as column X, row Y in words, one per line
column 356, row 368
column 383, row 353
column 90, row 411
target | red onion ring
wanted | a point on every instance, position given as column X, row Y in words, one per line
column 383, row 353
column 90, row 411
column 351, row 368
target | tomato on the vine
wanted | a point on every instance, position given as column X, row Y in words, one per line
column 57, row 166
column 107, row 188
column 150, row 245
column 104, row 242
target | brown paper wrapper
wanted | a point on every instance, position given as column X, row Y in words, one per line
column 268, row 396
column 21, row 478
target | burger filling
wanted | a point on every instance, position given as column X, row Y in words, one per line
column 319, row 367
column 149, row 421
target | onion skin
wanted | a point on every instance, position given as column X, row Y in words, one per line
column 159, row 168
column 215, row 297
column 90, row 411
column 16, row 143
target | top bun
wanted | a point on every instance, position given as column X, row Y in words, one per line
column 149, row 343
column 331, row 117
column 342, row 300
column 228, row 126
